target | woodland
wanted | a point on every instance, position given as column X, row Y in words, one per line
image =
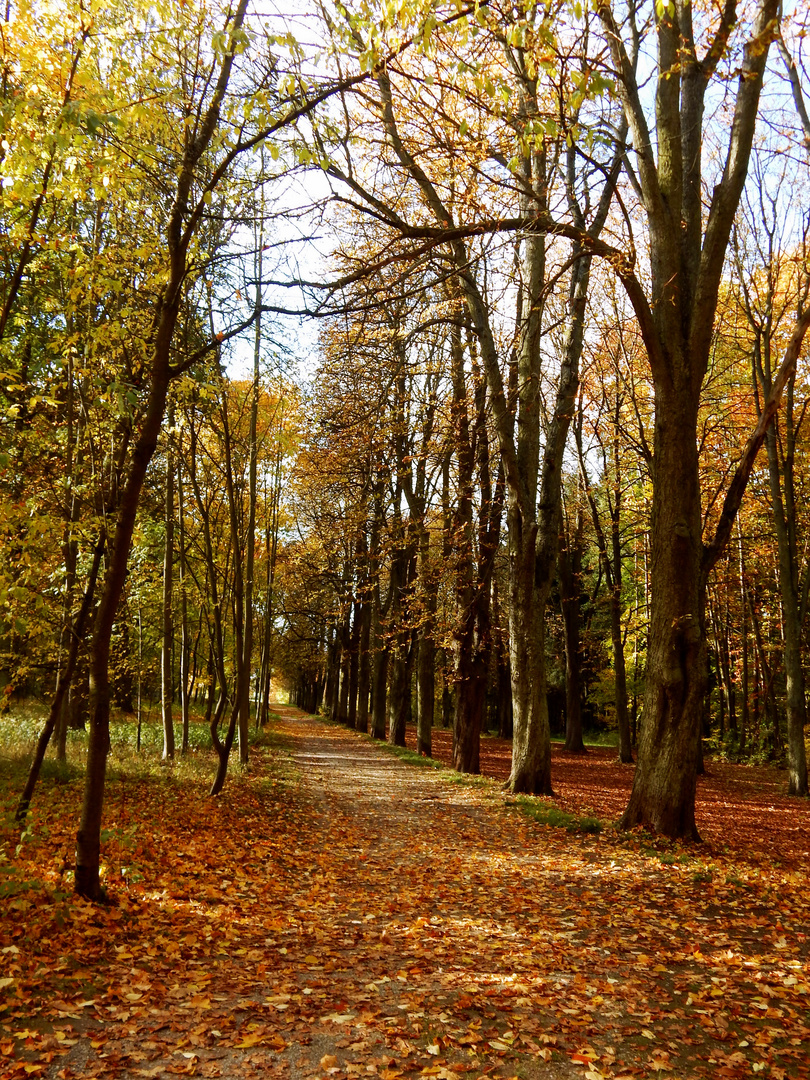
column 435, row 367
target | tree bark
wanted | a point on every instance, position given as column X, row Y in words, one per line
column 241, row 658
column 663, row 795
column 379, row 677
column 425, row 690
column 250, row 533
column 185, row 645
column 364, row 667
column 354, row 664
column 780, row 475
column 687, row 247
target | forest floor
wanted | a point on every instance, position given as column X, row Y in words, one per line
column 742, row 808
column 339, row 913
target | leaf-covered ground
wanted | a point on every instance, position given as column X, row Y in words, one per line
column 338, row 913
column 742, row 809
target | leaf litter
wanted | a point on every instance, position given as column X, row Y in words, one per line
column 337, row 913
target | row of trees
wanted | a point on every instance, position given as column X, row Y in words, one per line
column 540, row 267
column 537, row 123
column 400, row 464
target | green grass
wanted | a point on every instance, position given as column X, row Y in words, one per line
column 548, row 814
column 410, row 757
column 20, row 728
column 609, row 739
column 471, row 779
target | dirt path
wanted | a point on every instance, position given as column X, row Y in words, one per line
column 382, row 920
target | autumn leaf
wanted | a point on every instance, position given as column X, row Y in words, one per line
column 254, row 1039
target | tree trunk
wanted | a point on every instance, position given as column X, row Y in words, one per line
column 426, row 646
column 447, row 692
column 223, row 748
column 531, row 738
column 687, row 244
column 425, row 690
column 178, row 236
column 167, row 647
column 471, row 670
column 271, row 550
column 620, row 677
column 340, row 705
column 399, row 688
column 88, row 838
column 330, row 694
column 241, row 657
column 343, row 674
column 784, row 526
column 663, row 795
column 216, row 656
column 354, row 665
column 745, row 689
column 364, row 667
column 570, row 572
column 185, row 645
column 766, row 701
column 250, row 535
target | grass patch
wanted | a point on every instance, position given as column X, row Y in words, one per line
column 548, row 814
column 20, row 729
column 609, row 739
column 472, row 779
column 410, row 757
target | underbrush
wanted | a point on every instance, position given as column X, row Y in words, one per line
column 38, row 856
column 20, row 728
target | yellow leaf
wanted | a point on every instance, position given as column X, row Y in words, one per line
column 249, row 1040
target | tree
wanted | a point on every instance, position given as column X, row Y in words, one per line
column 687, row 250
column 769, row 298
column 183, row 221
